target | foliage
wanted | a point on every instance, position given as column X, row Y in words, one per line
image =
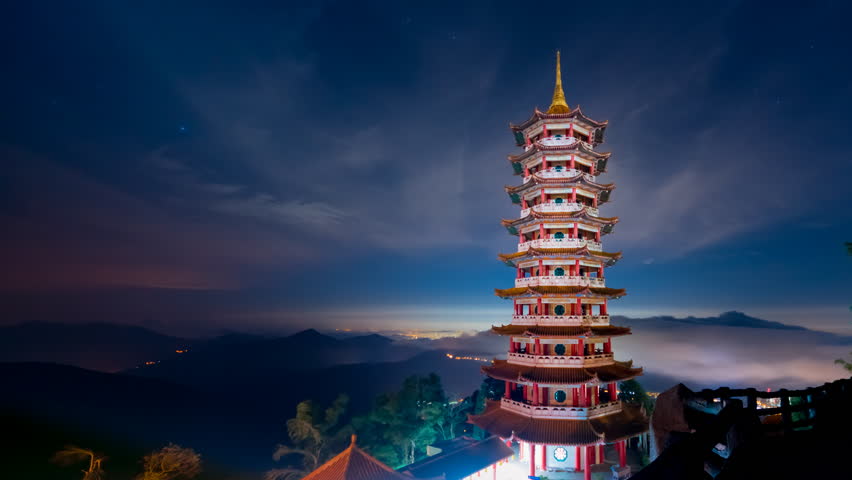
column 315, row 435
column 71, row 455
column 631, row 391
column 171, row 462
column 845, row 364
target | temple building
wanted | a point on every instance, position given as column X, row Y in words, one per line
column 560, row 405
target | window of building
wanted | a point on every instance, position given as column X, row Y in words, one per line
column 560, row 396
column 559, row 310
column 559, row 235
column 559, row 272
column 559, row 349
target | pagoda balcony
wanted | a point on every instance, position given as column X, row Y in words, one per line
column 560, row 243
column 554, row 172
column 560, row 411
column 559, row 280
column 561, row 320
column 596, row 360
column 559, row 207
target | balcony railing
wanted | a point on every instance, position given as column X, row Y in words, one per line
column 559, row 207
column 553, row 172
column 568, row 320
column 595, row 360
column 560, row 411
column 555, row 280
column 559, row 243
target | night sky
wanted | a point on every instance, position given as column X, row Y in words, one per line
column 266, row 167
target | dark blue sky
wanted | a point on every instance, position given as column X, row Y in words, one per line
column 271, row 166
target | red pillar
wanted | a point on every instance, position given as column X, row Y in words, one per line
column 581, row 349
column 538, row 346
column 532, row 459
column 540, row 267
column 573, row 195
column 571, row 133
column 544, row 457
column 540, row 230
column 608, row 346
column 520, row 238
column 545, row 398
column 600, row 453
column 575, row 397
column 595, row 201
column 598, row 236
column 538, row 310
column 544, row 162
column 578, row 462
column 622, row 454
column 534, row 389
column 544, row 131
column 587, row 472
column 603, row 308
column 526, row 171
column 524, row 203
column 576, row 230
column 527, row 140
column 573, row 164
column 508, row 392
column 543, row 196
column 613, row 392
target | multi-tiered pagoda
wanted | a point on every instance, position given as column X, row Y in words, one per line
column 561, row 401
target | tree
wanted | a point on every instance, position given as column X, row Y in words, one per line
column 403, row 423
column 315, row 436
column 631, row 391
column 171, row 462
column 71, row 455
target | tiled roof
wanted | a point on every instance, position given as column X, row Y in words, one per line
column 563, row 290
column 562, row 331
column 355, row 464
column 461, row 462
column 615, row 372
column 609, row 257
column 630, row 421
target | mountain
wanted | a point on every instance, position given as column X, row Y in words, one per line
column 256, row 359
column 727, row 319
column 96, row 346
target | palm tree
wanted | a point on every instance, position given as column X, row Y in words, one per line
column 71, row 455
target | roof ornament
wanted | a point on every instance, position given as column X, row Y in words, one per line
column 558, row 104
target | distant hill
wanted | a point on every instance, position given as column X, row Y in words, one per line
column 249, row 360
column 727, row 319
column 235, row 420
column 96, row 346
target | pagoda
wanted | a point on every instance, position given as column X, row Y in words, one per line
column 561, row 399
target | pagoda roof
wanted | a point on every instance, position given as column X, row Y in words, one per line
column 355, row 464
column 629, row 422
column 511, row 372
column 582, row 214
column 543, row 147
column 513, row 258
column 561, row 182
column 576, row 114
column 575, row 331
column 543, row 291
column 461, row 462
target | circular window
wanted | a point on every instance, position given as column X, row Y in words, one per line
column 559, row 272
column 559, row 310
column 558, row 168
column 558, row 200
column 559, row 348
column 559, row 235
column 560, row 396
column 560, row 454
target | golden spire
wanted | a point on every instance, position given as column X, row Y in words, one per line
column 558, row 104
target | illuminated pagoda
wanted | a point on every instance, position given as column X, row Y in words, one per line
column 561, row 403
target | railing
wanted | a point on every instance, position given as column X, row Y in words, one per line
column 571, row 320
column 561, row 360
column 559, row 411
column 559, row 207
column 559, row 243
column 724, row 420
column 796, row 409
column 556, row 280
column 553, row 172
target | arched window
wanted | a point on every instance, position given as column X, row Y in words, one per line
column 559, row 272
column 559, row 200
column 560, row 396
column 558, row 168
column 559, row 235
column 559, row 310
column 559, row 348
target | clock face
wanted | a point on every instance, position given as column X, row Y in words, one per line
column 560, row 454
